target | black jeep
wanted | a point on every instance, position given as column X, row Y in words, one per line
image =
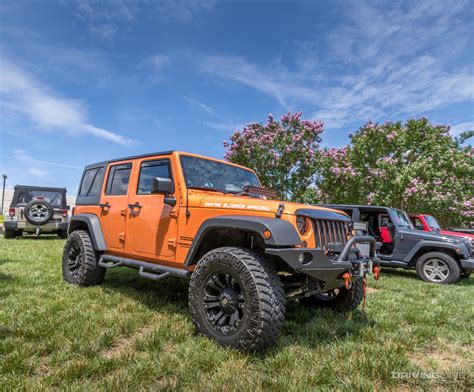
column 37, row 209
column 437, row 258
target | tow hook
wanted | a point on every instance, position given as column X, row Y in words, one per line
column 347, row 280
column 376, row 272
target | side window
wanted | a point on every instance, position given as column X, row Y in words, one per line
column 384, row 220
column 418, row 223
column 150, row 169
column 91, row 182
column 117, row 182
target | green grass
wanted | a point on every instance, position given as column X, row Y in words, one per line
column 134, row 334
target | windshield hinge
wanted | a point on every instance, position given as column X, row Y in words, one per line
column 280, row 209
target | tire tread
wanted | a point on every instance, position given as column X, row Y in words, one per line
column 90, row 274
column 268, row 288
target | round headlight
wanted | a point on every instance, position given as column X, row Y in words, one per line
column 301, row 224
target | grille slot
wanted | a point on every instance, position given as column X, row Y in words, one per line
column 329, row 231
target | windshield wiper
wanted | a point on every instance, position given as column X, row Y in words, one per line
column 207, row 188
column 255, row 191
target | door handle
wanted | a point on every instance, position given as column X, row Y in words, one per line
column 105, row 205
column 134, row 206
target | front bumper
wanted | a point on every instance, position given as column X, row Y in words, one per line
column 315, row 263
column 467, row 264
column 26, row 226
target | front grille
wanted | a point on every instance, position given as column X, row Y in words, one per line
column 330, row 231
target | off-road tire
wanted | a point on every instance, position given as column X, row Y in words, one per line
column 84, row 271
column 454, row 273
column 465, row 274
column 263, row 298
column 344, row 300
column 62, row 234
column 9, row 234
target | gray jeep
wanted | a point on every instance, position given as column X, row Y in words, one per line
column 37, row 209
column 437, row 258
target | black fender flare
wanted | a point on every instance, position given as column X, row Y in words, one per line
column 422, row 244
column 95, row 230
column 283, row 233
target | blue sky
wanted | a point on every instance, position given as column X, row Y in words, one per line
column 83, row 81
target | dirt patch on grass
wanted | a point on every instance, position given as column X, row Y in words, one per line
column 124, row 345
column 442, row 358
column 41, row 366
column 371, row 290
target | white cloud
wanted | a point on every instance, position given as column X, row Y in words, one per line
column 107, row 17
column 38, row 173
column 182, row 11
column 159, row 61
column 200, row 105
column 384, row 60
column 20, row 92
column 279, row 84
column 157, row 64
column 21, row 155
column 222, row 126
column 457, row 129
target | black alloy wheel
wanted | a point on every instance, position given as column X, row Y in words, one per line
column 224, row 302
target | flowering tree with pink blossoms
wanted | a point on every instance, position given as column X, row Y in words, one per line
column 284, row 153
column 415, row 166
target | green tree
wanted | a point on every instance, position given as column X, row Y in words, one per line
column 285, row 153
column 415, row 166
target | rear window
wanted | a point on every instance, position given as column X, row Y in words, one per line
column 119, row 176
column 54, row 198
column 91, row 182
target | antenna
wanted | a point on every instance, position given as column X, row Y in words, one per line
column 188, row 213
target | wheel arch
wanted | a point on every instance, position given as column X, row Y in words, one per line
column 423, row 249
column 229, row 230
column 91, row 224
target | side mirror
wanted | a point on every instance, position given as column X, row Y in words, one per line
column 162, row 185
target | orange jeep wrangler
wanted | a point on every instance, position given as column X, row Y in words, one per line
column 246, row 254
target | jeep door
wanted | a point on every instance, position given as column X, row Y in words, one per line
column 404, row 240
column 114, row 204
column 152, row 224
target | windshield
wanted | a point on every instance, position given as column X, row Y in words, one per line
column 402, row 219
column 202, row 173
column 432, row 223
column 55, row 198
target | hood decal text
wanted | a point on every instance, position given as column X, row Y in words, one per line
column 237, row 206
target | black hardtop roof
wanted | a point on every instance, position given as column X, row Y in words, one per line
column 152, row 154
column 39, row 188
column 356, row 206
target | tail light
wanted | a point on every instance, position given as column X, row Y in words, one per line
column 64, row 213
column 12, row 212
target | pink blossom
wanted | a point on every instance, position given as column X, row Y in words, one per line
column 391, row 136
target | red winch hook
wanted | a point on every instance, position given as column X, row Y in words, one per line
column 347, row 280
column 376, row 272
